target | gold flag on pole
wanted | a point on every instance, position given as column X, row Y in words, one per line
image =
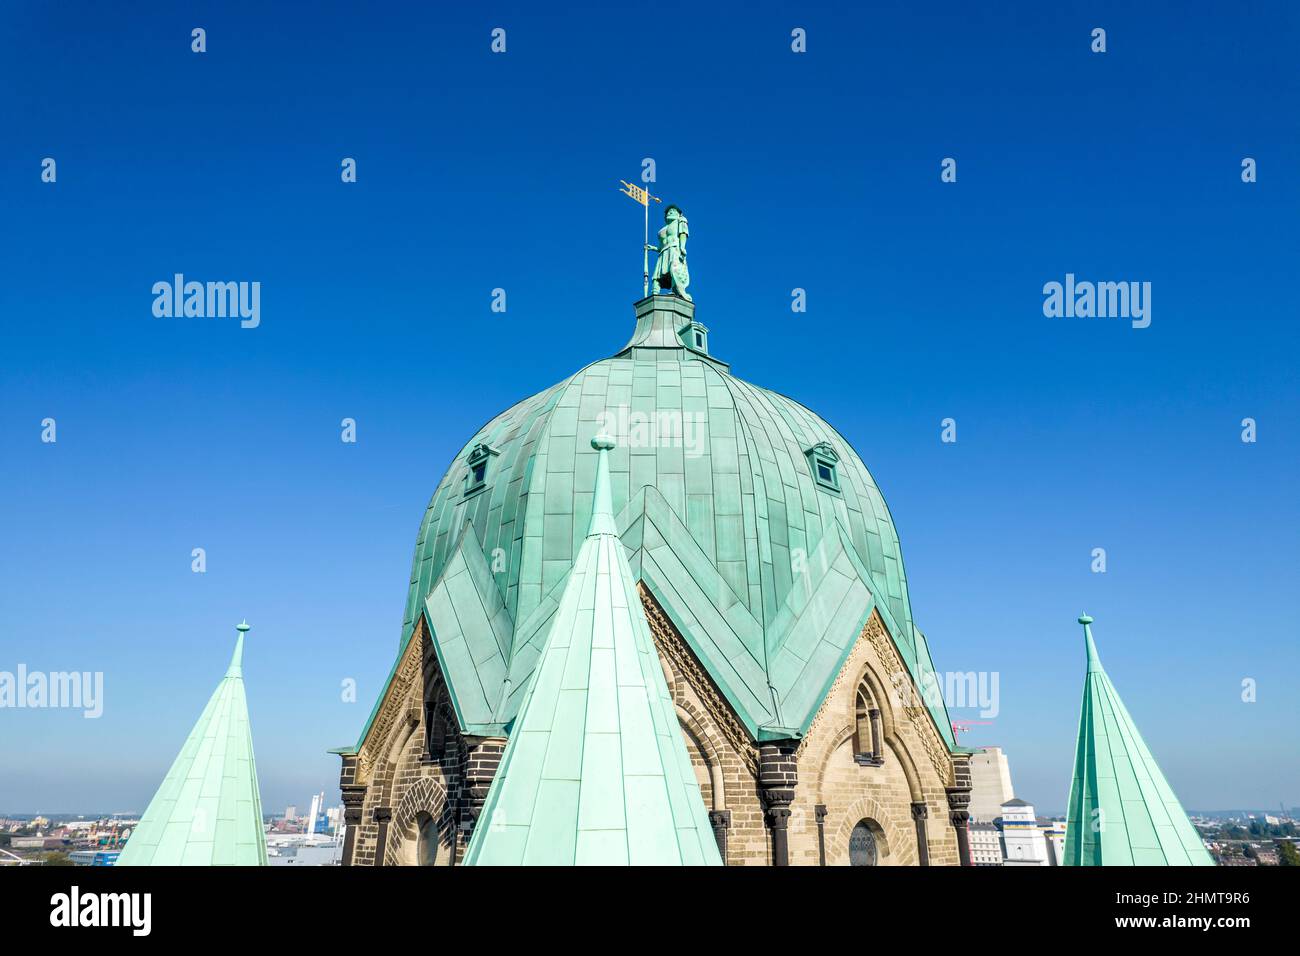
column 636, row 192
column 643, row 197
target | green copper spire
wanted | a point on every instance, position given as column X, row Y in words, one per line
column 1122, row 810
column 595, row 771
column 208, row 811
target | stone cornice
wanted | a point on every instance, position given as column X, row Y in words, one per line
column 671, row 645
column 395, row 707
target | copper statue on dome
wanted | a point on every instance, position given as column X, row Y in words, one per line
column 671, row 273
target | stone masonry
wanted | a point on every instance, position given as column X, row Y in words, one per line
column 766, row 801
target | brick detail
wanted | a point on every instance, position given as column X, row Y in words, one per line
column 482, row 759
column 778, row 776
column 353, row 799
column 425, row 798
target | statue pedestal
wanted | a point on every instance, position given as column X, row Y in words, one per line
column 667, row 323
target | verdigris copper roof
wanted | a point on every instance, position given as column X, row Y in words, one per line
column 768, row 572
column 595, row 771
column 208, row 811
column 1122, row 810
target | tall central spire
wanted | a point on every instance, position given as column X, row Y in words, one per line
column 1122, row 810
column 595, row 771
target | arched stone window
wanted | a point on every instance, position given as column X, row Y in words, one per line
column 867, row 748
column 426, row 840
column 863, row 850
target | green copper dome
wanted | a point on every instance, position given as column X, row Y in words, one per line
column 737, row 506
column 745, row 491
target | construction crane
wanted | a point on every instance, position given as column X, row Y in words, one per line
column 961, row 726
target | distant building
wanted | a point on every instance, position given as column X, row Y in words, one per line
column 1017, row 838
column 985, row 844
column 94, row 857
column 1023, row 840
column 314, row 813
column 37, row 843
column 1055, row 835
column 303, row 850
column 290, row 812
column 990, row 776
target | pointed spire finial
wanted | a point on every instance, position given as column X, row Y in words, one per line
column 1094, row 661
column 602, row 504
column 236, row 668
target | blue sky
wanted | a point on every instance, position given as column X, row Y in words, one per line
column 478, row 171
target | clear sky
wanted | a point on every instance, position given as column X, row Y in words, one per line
column 478, row 170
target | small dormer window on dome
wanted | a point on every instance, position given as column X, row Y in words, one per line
column 479, row 463
column 824, row 463
column 696, row 336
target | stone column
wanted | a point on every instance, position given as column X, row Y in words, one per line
column 820, row 811
column 354, row 796
column 720, row 820
column 919, row 814
column 958, row 801
column 778, row 775
column 382, row 816
column 877, row 751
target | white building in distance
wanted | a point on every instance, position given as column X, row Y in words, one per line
column 985, row 844
column 990, row 776
column 1024, row 841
